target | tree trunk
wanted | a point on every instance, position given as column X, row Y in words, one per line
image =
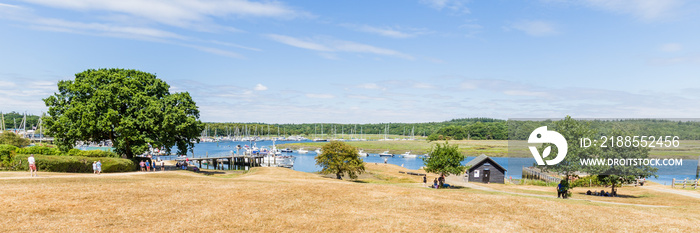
column 613, row 189
column 338, row 175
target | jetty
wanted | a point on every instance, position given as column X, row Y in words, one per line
column 234, row 162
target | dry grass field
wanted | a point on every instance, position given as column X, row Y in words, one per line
column 282, row 200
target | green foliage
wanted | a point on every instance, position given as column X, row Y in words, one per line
column 340, row 158
column 73, row 164
column 537, row 182
column 329, row 130
column 11, row 138
column 39, row 150
column 13, row 119
column 7, row 153
column 444, row 159
column 572, row 130
column 95, row 154
column 587, row 181
column 129, row 107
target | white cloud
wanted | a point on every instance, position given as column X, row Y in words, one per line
column 671, row 47
column 299, row 43
column 423, row 86
column 113, row 29
column 643, row 9
column 187, row 14
column 260, row 87
column 535, row 27
column 526, row 93
column 388, row 31
column 320, row 96
column 333, row 45
column 458, row 6
column 371, row 86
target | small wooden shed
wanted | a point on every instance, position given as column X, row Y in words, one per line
column 484, row 169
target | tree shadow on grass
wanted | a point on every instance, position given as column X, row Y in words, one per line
column 618, row 195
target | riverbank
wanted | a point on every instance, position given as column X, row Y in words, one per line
column 278, row 199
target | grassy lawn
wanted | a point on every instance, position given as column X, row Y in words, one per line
column 277, row 199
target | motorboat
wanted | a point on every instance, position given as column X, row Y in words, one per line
column 318, row 151
column 409, row 155
column 302, row 151
column 386, row 154
column 362, row 153
column 286, row 150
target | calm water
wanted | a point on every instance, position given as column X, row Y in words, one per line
column 307, row 163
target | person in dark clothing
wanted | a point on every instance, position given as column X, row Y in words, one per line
column 425, row 181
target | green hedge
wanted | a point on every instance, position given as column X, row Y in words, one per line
column 39, row 150
column 7, row 152
column 74, row 164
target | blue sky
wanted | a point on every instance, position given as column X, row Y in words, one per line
column 369, row 61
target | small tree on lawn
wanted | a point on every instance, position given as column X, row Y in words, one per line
column 444, row 159
column 338, row 158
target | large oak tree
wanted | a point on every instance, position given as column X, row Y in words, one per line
column 129, row 107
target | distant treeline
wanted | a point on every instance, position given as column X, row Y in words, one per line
column 14, row 119
column 685, row 130
column 465, row 128
column 330, row 129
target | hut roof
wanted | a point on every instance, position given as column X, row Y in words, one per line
column 480, row 159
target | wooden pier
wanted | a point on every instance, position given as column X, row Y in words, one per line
column 234, row 162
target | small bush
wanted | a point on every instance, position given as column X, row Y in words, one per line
column 97, row 154
column 586, row 181
column 7, row 152
column 73, row 164
column 537, row 182
column 39, row 150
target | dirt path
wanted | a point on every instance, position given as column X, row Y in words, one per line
column 458, row 181
column 660, row 188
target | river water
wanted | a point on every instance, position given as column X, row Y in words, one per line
column 307, row 163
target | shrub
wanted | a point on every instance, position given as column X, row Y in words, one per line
column 538, row 182
column 587, row 180
column 74, row 164
column 6, row 154
column 97, row 154
column 39, row 150
column 11, row 138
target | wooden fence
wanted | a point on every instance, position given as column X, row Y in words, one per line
column 685, row 183
column 537, row 174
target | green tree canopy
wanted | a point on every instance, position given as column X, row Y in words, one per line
column 340, row 158
column 572, row 130
column 11, row 138
column 444, row 159
column 129, row 107
column 620, row 174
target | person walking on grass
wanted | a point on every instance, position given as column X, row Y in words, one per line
column 99, row 166
column 425, row 181
column 142, row 164
column 32, row 166
column 94, row 167
column 162, row 165
column 148, row 166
